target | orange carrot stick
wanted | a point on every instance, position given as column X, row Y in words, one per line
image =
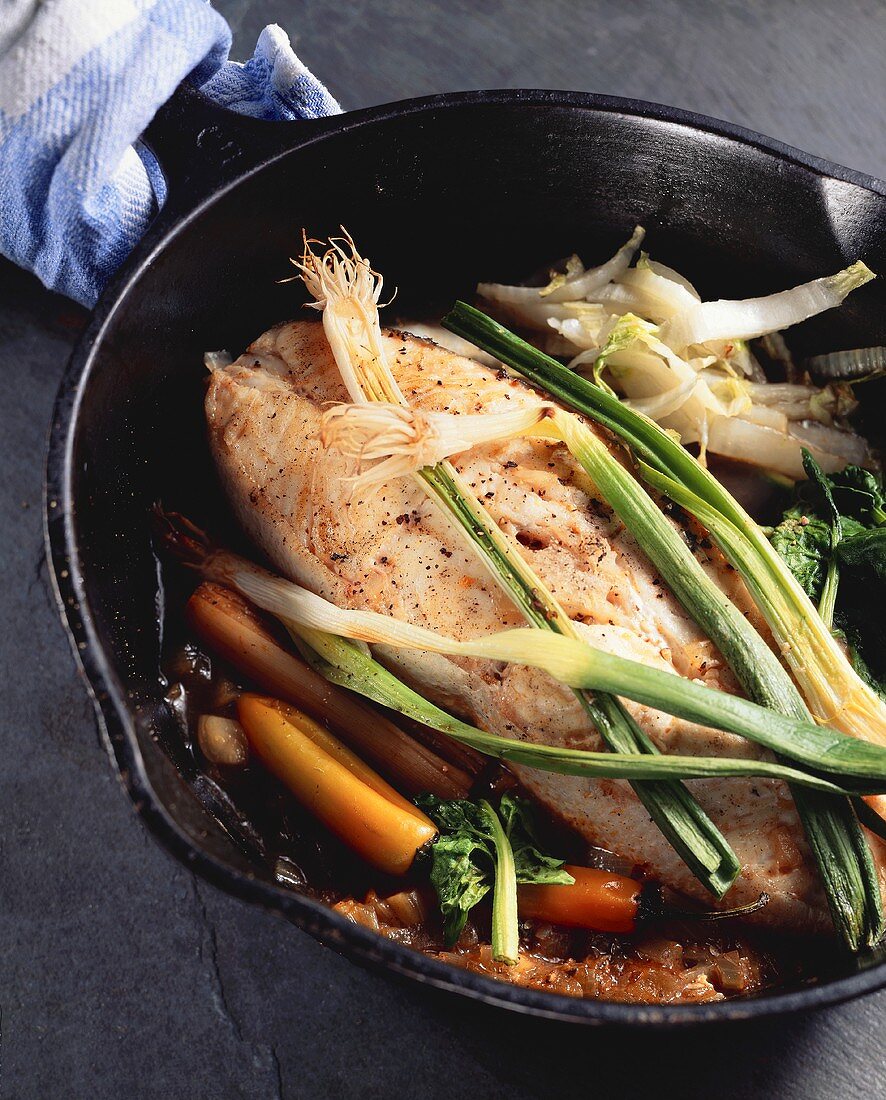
column 329, row 744
column 597, row 900
column 337, row 787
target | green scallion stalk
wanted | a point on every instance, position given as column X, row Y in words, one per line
column 831, row 826
column 505, row 930
column 669, row 803
column 750, row 658
column 345, row 663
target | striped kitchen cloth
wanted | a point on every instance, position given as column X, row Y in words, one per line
column 79, row 82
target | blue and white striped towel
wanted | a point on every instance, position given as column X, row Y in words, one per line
column 79, row 82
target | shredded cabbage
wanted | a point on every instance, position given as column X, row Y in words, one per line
column 579, row 283
column 644, row 333
column 725, row 320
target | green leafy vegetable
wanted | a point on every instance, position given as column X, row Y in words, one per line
column 835, row 523
column 865, row 551
column 851, row 502
column 822, row 486
column 858, row 495
column 478, row 850
column 505, row 930
column 462, row 859
column 804, row 543
column 520, row 827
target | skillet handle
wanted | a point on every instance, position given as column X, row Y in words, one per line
column 201, row 147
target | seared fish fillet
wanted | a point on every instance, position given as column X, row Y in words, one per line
column 396, row 553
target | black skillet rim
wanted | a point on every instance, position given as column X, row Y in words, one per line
column 117, row 722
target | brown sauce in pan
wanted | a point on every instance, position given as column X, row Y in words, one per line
column 665, row 964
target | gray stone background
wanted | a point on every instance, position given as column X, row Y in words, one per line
column 123, row 976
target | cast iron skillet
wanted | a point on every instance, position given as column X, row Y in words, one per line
column 440, row 192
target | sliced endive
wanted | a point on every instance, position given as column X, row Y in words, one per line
column 744, row 320
column 689, row 336
column 576, row 284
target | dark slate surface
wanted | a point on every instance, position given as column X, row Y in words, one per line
column 122, row 976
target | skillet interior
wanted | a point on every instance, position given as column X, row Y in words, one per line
column 439, row 193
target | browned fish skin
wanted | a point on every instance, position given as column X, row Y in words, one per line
column 396, row 553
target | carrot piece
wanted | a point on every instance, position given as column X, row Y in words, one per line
column 597, row 900
column 329, row 744
column 232, row 629
column 337, row 787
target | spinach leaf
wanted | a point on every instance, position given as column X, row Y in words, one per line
column 820, row 485
column 856, row 493
column 804, row 542
column 859, row 495
column 865, row 551
column 463, row 858
column 819, row 488
column 836, row 521
column 521, row 829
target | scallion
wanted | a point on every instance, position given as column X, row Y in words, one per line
column 505, row 930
